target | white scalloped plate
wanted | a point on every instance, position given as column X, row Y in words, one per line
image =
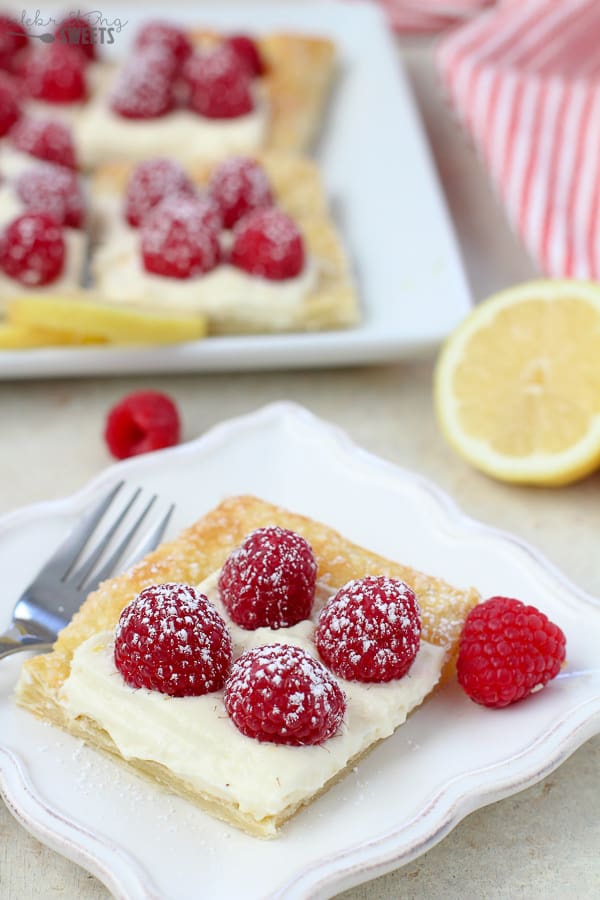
column 450, row 758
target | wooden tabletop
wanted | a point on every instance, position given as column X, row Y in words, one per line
column 538, row 844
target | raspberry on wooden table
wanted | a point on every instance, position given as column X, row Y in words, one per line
column 56, row 74
column 282, row 695
column 370, row 631
column 506, row 651
column 239, row 185
column 9, row 103
column 145, row 87
column 13, row 39
column 55, row 190
column 218, row 84
column 50, row 141
column 268, row 243
column 141, row 422
column 32, row 250
column 167, row 36
column 77, row 32
column 172, row 639
column 150, row 182
column 269, row 581
column 178, row 238
column 247, row 50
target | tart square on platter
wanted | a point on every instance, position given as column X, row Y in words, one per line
column 248, row 242
column 244, row 710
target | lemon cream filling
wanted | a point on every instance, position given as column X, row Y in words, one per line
column 194, row 738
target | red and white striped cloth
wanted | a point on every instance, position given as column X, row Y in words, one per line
column 524, row 79
column 430, row 15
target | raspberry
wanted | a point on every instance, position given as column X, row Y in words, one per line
column 282, row 695
column 55, row 74
column 151, row 182
column 51, row 141
column 171, row 639
column 267, row 243
column 32, row 250
column 238, row 186
column 370, row 630
column 145, row 86
column 247, row 50
column 218, row 84
column 142, row 422
column 13, row 39
column 269, row 581
column 178, row 239
column 167, row 36
column 77, row 32
column 9, row 104
column 506, row 651
column 54, row 190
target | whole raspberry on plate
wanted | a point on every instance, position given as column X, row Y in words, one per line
column 10, row 109
column 50, row 141
column 238, row 186
column 55, row 74
column 178, row 238
column 247, row 50
column 506, row 651
column 218, row 84
column 150, row 182
column 171, row 639
column 269, row 581
column 54, row 190
column 76, row 32
column 32, row 250
column 13, row 39
column 141, row 422
column 167, row 36
column 145, row 88
column 282, row 695
column 370, row 630
column 268, row 243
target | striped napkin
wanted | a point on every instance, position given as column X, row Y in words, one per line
column 430, row 15
column 524, row 79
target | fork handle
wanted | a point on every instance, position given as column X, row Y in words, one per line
column 14, row 640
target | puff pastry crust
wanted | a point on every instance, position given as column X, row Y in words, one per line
column 297, row 186
column 197, row 552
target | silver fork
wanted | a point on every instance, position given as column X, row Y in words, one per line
column 59, row 588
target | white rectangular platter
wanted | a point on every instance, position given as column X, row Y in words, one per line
column 386, row 201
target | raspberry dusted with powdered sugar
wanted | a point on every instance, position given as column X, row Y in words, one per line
column 506, row 651
column 282, row 695
column 56, row 74
column 51, row 141
column 145, row 88
column 77, row 32
column 269, row 581
column 238, row 186
column 10, row 109
column 53, row 190
column 247, row 50
column 151, row 182
column 268, row 243
column 178, row 238
column 218, row 84
column 171, row 639
column 32, row 250
column 370, row 630
column 166, row 36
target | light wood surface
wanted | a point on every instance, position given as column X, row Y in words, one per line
column 538, row 844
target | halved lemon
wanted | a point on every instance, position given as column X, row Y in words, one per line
column 517, row 385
